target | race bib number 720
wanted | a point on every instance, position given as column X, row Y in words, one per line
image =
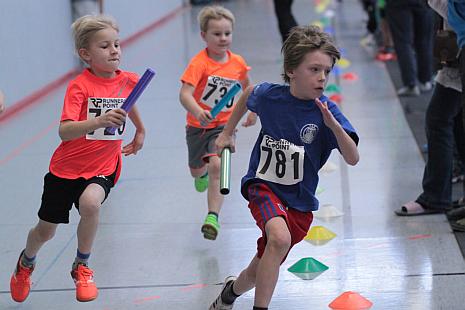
column 281, row 161
column 99, row 106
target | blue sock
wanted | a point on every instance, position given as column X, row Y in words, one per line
column 28, row 261
column 81, row 258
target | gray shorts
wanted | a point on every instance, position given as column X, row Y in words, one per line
column 201, row 144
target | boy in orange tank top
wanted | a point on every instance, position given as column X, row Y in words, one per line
column 208, row 77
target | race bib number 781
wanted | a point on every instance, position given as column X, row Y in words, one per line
column 281, row 161
column 99, row 106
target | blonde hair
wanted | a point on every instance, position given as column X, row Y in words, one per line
column 302, row 40
column 213, row 12
column 86, row 26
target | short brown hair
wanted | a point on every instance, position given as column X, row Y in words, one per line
column 213, row 12
column 86, row 26
column 302, row 40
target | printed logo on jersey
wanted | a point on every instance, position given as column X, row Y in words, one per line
column 280, row 206
column 107, row 103
column 308, row 133
column 99, row 106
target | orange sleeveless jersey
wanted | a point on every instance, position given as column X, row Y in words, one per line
column 88, row 158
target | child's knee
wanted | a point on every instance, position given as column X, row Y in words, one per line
column 89, row 205
column 279, row 241
column 89, row 208
column 91, row 200
column 198, row 172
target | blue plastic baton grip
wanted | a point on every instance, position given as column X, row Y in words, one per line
column 226, row 98
column 135, row 94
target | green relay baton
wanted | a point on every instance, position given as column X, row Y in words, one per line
column 225, row 172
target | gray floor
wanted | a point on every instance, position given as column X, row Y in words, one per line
column 149, row 253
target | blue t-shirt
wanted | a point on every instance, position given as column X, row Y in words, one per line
column 293, row 144
column 456, row 19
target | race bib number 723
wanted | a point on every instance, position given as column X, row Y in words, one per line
column 281, row 161
column 99, row 106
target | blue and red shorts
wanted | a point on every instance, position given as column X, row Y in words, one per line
column 265, row 205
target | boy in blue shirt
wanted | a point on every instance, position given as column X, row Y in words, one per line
column 300, row 127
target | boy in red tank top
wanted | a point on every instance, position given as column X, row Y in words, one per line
column 87, row 163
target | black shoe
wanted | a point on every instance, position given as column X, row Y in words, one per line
column 458, row 225
column 456, row 214
column 457, row 178
column 458, row 203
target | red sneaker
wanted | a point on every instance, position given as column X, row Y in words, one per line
column 20, row 282
column 83, row 277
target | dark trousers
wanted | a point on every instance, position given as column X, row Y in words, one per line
column 411, row 24
column 462, row 77
column 286, row 20
column 442, row 112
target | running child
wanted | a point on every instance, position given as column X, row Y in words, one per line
column 87, row 163
column 208, row 77
column 300, row 127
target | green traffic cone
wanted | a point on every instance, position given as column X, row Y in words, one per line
column 333, row 88
column 308, row 268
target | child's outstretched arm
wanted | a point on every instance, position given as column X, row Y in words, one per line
column 226, row 137
column 138, row 140
column 186, row 96
column 346, row 145
column 70, row 130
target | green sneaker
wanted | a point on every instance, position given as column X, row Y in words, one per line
column 210, row 227
column 201, row 183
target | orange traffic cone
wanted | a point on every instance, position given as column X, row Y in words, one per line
column 349, row 76
column 336, row 98
column 350, row 301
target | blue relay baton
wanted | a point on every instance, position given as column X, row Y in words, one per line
column 226, row 98
column 134, row 95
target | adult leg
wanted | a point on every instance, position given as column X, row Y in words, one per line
column 286, row 20
column 437, row 186
column 423, row 40
column 459, row 136
column 462, row 77
column 400, row 22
